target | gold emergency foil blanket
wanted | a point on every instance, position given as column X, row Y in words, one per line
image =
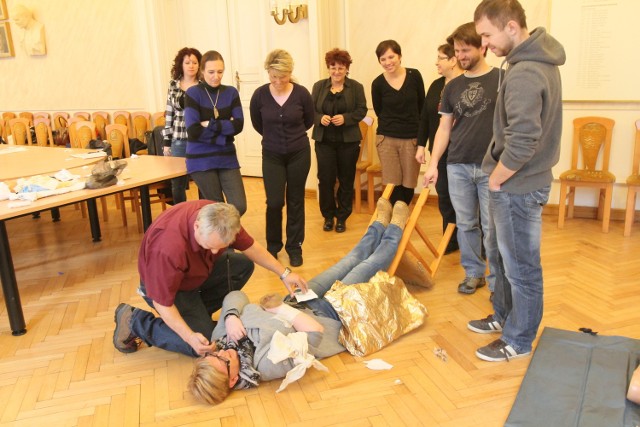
column 375, row 313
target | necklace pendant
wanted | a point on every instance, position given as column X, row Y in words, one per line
column 215, row 113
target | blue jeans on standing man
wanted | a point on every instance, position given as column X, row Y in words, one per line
column 373, row 253
column 469, row 192
column 516, row 222
column 179, row 184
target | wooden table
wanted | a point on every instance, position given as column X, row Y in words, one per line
column 140, row 172
column 21, row 161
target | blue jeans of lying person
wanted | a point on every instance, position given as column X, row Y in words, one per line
column 373, row 253
column 515, row 221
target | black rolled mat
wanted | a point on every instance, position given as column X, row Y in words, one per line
column 578, row 379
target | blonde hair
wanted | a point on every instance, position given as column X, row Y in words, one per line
column 207, row 384
column 279, row 60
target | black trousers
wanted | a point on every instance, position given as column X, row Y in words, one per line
column 336, row 160
column 444, row 200
column 284, row 177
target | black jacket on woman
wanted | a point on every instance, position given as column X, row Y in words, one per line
column 353, row 93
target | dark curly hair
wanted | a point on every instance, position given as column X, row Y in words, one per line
column 337, row 56
column 176, row 68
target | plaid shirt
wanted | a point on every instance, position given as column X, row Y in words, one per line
column 174, row 127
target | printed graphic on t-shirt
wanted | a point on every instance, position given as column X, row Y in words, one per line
column 472, row 101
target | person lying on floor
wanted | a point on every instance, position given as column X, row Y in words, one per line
column 244, row 334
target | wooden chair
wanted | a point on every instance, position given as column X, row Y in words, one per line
column 60, row 120
column 83, row 115
column 123, row 118
column 7, row 115
column 3, row 130
column 101, row 119
column 44, row 136
column 365, row 160
column 157, row 119
column 140, row 123
column 591, row 135
column 19, row 128
column 118, row 136
column 28, row 116
column 83, row 132
column 374, row 171
column 633, row 185
column 42, row 115
column 409, row 244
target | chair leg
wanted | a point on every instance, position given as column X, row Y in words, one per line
column 607, row 208
column 105, row 210
column 358, row 195
column 370, row 191
column 572, row 201
column 562, row 204
column 630, row 210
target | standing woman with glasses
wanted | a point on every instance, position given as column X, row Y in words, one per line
column 449, row 68
column 213, row 115
column 340, row 104
column 282, row 112
column 185, row 73
column 398, row 95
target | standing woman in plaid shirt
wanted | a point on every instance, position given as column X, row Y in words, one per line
column 185, row 73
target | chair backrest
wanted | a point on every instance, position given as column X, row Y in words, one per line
column 122, row 118
column 20, row 131
column 60, row 120
column 41, row 114
column 28, row 116
column 591, row 135
column 83, row 115
column 44, row 136
column 140, row 123
column 84, row 131
column 7, row 115
column 636, row 151
column 101, row 119
column 118, row 137
column 157, row 119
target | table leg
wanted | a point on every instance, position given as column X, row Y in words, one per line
column 94, row 221
column 10, row 285
column 145, row 204
column 55, row 214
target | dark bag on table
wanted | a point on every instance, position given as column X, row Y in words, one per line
column 98, row 144
column 105, row 173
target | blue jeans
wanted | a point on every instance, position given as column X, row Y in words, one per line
column 373, row 253
column 179, row 184
column 230, row 273
column 469, row 192
column 516, row 220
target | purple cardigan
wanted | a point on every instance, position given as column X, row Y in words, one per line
column 283, row 128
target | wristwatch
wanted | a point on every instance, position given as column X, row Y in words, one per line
column 287, row 271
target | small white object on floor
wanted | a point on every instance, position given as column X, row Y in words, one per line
column 377, row 364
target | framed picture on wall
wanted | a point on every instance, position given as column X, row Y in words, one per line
column 6, row 44
column 4, row 13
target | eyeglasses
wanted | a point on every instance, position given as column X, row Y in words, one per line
column 442, row 58
column 224, row 359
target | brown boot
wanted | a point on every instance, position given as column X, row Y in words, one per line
column 400, row 214
column 384, row 211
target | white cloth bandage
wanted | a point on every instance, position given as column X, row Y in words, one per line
column 286, row 314
column 293, row 346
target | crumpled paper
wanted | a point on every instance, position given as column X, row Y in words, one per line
column 39, row 186
column 296, row 347
column 375, row 313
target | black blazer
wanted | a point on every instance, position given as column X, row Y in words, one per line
column 353, row 93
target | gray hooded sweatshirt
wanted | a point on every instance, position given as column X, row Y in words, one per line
column 527, row 123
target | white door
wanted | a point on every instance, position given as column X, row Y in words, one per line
column 247, row 57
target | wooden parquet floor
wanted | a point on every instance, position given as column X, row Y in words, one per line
column 65, row 371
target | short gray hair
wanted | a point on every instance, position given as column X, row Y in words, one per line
column 221, row 218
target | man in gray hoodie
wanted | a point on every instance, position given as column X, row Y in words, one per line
column 527, row 125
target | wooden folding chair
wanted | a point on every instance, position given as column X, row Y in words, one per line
column 406, row 244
